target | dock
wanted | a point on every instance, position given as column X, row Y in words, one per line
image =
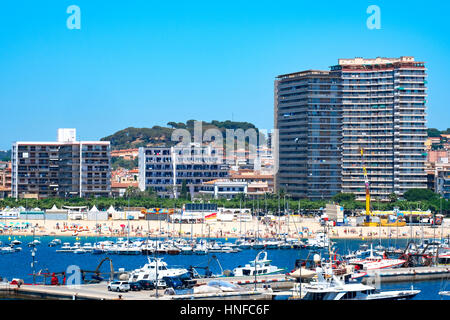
column 408, row 274
column 98, row 291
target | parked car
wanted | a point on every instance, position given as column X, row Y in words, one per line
column 147, row 284
column 135, row 286
column 172, row 282
column 119, row 286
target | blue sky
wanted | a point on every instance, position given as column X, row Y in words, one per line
column 144, row 63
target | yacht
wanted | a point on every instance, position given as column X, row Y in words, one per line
column 271, row 244
column 16, row 242
column 127, row 250
column 80, row 251
column 65, row 248
column 6, row 250
column 261, row 265
column 148, row 271
column 373, row 262
column 34, row 243
column 319, row 242
column 173, row 250
column 186, row 249
column 88, row 246
column 334, row 289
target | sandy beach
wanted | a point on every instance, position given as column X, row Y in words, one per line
column 297, row 228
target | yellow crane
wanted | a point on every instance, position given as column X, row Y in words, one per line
column 369, row 221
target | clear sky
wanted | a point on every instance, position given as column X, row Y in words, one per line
column 144, row 63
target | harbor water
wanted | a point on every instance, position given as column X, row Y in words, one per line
column 19, row 264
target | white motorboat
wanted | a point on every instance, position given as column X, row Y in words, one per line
column 202, row 248
column 34, row 243
column 271, row 244
column 261, row 266
column 373, row 262
column 88, row 246
column 173, row 250
column 186, row 249
column 154, row 266
column 227, row 249
column 16, row 242
column 128, row 250
column 80, row 251
column 334, row 289
column 65, row 248
column 320, row 241
column 6, row 250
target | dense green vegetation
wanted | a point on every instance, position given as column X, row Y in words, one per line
column 269, row 202
column 159, row 136
column 5, row 155
column 118, row 162
column 433, row 132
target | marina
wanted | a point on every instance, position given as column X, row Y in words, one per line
column 234, row 272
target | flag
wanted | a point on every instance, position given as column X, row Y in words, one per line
column 211, row 216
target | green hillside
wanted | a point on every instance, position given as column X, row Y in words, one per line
column 158, row 136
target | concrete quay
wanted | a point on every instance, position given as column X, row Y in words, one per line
column 408, row 274
column 99, row 291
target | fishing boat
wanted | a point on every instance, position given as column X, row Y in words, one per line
column 260, row 266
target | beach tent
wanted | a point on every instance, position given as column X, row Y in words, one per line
column 56, row 214
column 95, row 215
column 111, row 209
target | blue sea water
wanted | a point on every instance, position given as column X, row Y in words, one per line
column 18, row 265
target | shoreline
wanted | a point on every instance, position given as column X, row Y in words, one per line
column 304, row 228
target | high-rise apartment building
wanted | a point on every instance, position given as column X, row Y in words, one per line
column 165, row 168
column 377, row 105
column 64, row 168
column 308, row 119
column 383, row 112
